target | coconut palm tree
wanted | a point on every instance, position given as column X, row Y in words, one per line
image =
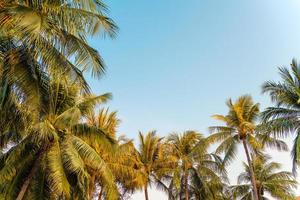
column 195, row 167
column 56, row 159
column 270, row 181
column 283, row 118
column 148, row 152
column 154, row 163
column 240, row 124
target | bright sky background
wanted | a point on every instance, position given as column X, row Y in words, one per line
column 175, row 62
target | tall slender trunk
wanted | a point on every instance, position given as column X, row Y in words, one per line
column 31, row 174
column 259, row 194
column 100, row 194
column 92, row 185
column 186, row 185
column 253, row 181
column 146, row 192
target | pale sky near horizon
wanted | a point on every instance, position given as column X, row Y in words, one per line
column 175, row 62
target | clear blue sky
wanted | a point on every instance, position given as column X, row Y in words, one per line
column 175, row 62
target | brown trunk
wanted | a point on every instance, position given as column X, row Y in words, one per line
column 186, row 176
column 146, row 193
column 259, row 195
column 100, row 194
column 253, row 181
column 30, row 175
column 92, row 185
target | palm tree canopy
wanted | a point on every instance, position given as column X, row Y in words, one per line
column 240, row 124
column 241, row 116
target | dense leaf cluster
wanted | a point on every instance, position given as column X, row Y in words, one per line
column 55, row 145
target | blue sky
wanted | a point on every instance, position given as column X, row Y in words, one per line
column 174, row 62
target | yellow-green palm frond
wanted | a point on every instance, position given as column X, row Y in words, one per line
column 95, row 137
column 108, row 121
column 56, row 177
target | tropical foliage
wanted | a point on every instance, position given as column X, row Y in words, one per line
column 55, row 142
column 283, row 119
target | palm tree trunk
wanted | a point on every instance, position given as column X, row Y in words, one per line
column 259, row 194
column 253, row 181
column 100, row 194
column 30, row 175
column 92, row 185
column 146, row 193
column 186, row 185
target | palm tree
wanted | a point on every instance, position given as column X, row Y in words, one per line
column 148, row 151
column 240, row 127
column 195, row 167
column 56, row 159
column 283, row 119
column 153, row 162
column 278, row 184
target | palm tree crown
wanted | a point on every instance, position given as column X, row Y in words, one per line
column 240, row 124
